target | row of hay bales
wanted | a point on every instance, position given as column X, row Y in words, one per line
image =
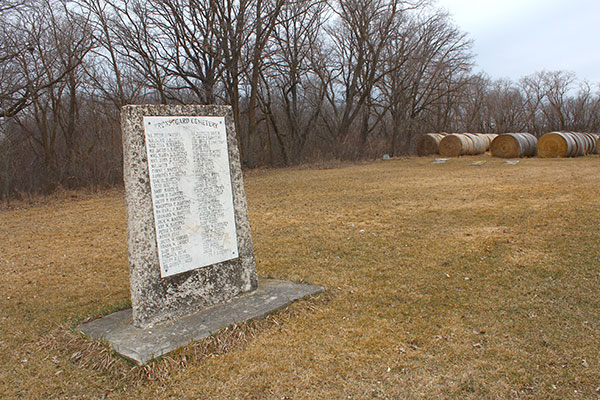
column 509, row 145
column 465, row 144
column 454, row 144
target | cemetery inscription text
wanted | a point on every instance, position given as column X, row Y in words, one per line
column 188, row 162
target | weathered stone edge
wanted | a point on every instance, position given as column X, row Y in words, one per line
column 112, row 328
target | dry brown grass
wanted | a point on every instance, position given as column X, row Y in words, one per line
column 444, row 281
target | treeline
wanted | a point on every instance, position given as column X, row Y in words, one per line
column 307, row 80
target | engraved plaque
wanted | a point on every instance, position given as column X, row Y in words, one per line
column 185, row 200
column 188, row 163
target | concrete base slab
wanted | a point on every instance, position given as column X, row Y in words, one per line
column 142, row 345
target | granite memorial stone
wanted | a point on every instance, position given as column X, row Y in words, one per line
column 191, row 264
column 188, row 233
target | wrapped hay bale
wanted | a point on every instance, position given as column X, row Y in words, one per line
column 455, row 144
column 479, row 144
column 592, row 139
column 566, row 144
column 556, row 144
column 490, row 138
column 458, row 144
column 514, row 145
column 429, row 143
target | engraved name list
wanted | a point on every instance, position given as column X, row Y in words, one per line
column 188, row 162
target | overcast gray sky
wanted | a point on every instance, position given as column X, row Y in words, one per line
column 514, row 38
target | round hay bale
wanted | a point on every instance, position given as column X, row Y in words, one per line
column 478, row 144
column 571, row 145
column 485, row 141
column 514, row 145
column 580, row 144
column 592, row 138
column 556, row 144
column 595, row 138
column 529, row 144
column 490, row 138
column 429, row 143
column 592, row 142
column 468, row 144
column 506, row 146
column 455, row 144
column 569, row 135
column 589, row 145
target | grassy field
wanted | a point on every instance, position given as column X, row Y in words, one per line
column 446, row 281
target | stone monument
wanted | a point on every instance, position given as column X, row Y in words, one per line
column 188, row 232
column 191, row 264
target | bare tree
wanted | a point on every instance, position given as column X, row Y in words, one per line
column 292, row 95
column 9, row 5
column 359, row 34
column 583, row 110
column 15, row 42
column 393, row 86
column 505, row 108
column 470, row 110
column 52, row 66
column 557, row 85
column 431, row 59
column 106, row 71
column 20, row 40
column 264, row 18
column 534, row 96
column 193, row 43
column 233, row 20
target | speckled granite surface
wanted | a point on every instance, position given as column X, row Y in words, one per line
column 142, row 345
column 155, row 299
